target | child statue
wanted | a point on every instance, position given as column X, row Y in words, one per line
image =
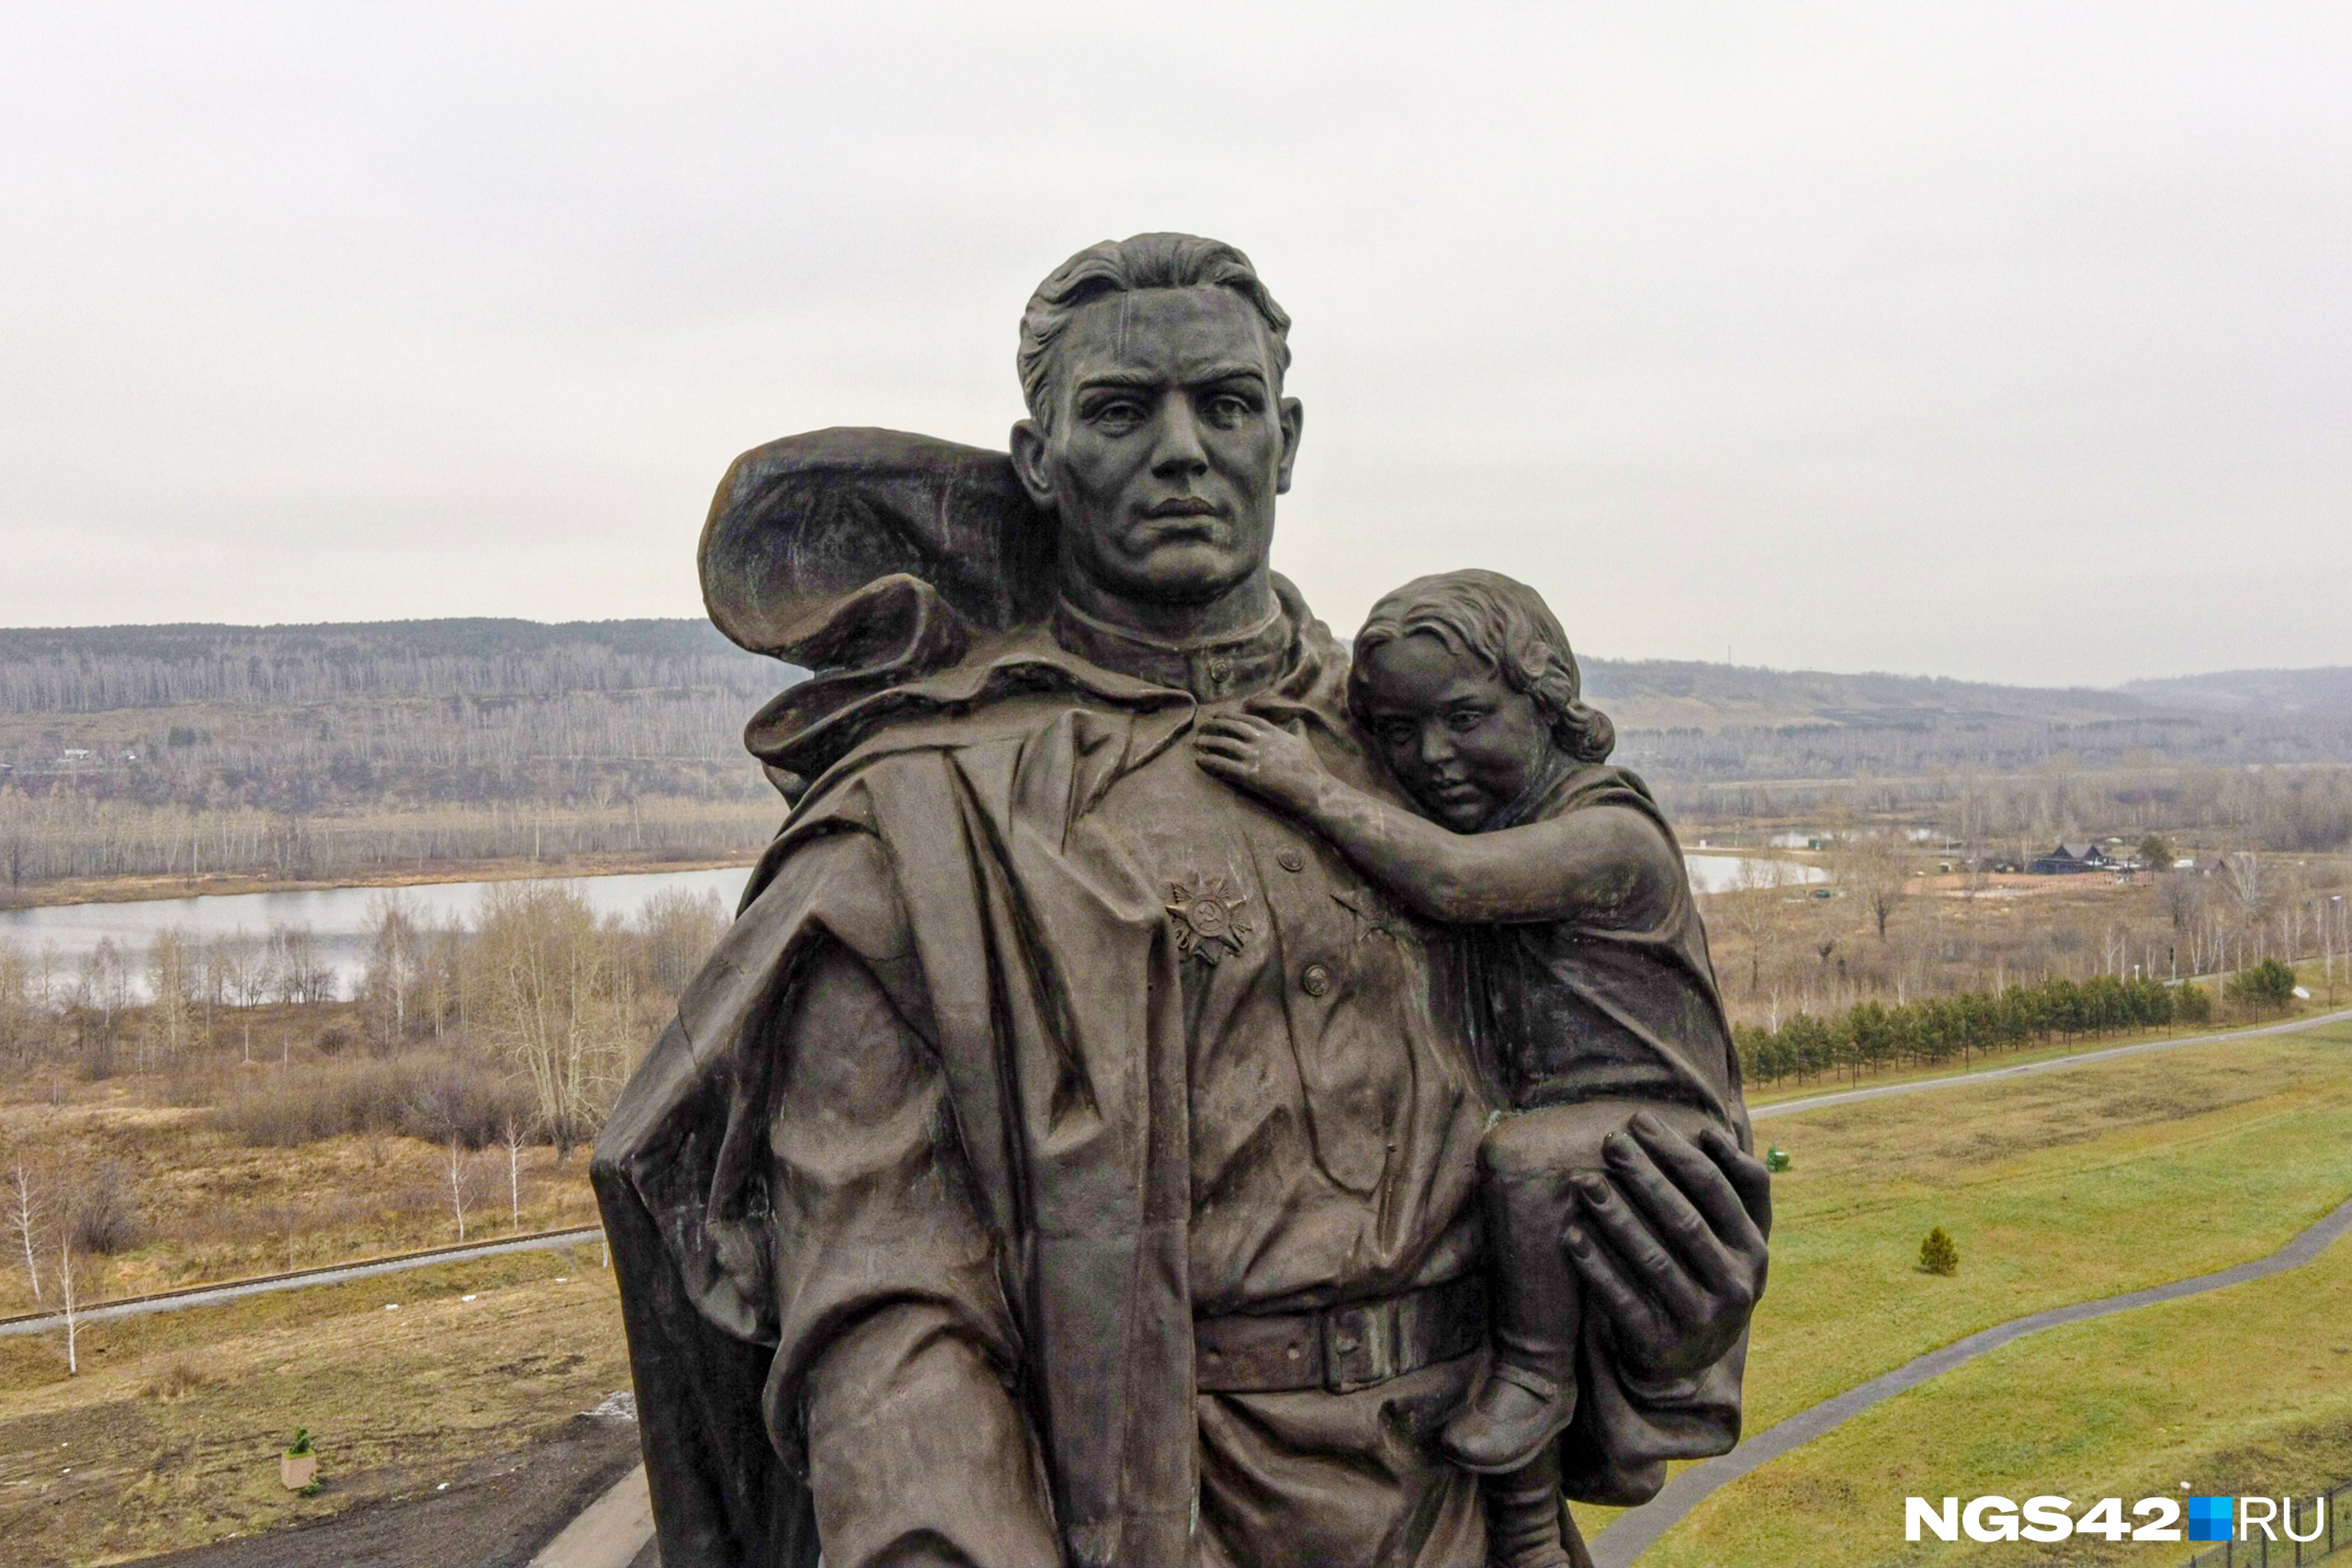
column 1593, row 997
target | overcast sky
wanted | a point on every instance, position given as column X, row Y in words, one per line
column 2011, row 343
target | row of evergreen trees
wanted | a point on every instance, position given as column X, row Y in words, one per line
column 1871, row 1036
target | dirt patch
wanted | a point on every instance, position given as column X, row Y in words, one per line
column 496, row 1513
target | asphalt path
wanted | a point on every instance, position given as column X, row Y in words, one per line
column 211, row 1296
column 2047, row 1064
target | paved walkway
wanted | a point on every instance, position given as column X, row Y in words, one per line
column 1632, row 1532
column 209, row 1295
column 615, row 1531
column 2047, row 1064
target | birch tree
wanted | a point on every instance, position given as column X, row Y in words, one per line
column 24, row 1221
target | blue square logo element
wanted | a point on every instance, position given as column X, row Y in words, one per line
column 2209, row 1517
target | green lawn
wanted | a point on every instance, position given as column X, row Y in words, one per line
column 2243, row 1392
column 2058, row 1187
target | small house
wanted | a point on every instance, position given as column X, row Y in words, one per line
column 2070, row 859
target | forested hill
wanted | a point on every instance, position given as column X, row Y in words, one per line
column 332, row 716
column 100, row 669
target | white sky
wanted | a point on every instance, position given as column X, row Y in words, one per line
column 2007, row 341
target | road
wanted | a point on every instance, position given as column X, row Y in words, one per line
column 209, row 1295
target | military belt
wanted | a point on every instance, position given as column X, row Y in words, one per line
column 1342, row 1348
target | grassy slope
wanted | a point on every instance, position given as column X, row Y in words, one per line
column 125, row 1461
column 2243, row 1392
column 2058, row 1189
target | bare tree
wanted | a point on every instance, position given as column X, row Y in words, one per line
column 513, row 1137
column 171, row 984
column 101, row 995
column 395, row 965
column 457, row 1163
column 557, row 1002
column 24, row 1219
column 1872, row 867
column 70, row 1301
column 1753, row 908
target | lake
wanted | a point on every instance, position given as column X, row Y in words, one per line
column 339, row 917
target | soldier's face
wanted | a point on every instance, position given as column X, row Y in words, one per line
column 1169, row 441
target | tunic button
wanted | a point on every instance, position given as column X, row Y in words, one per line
column 1315, row 980
column 1291, row 860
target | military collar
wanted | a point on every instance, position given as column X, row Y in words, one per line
column 1211, row 669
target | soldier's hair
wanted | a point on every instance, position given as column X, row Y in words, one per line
column 1505, row 625
column 1123, row 266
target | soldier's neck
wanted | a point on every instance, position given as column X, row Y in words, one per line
column 1236, row 612
column 1230, row 661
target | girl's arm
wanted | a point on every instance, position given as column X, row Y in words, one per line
column 1605, row 864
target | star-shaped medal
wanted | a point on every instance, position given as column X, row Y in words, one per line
column 1208, row 917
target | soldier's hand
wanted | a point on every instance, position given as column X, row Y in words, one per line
column 1670, row 1245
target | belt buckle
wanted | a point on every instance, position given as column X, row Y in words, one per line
column 1358, row 1350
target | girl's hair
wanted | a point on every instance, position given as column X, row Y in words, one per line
column 1507, row 625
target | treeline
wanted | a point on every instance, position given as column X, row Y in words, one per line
column 59, row 836
column 87, row 669
column 1871, row 1036
column 1868, row 744
column 2305, row 808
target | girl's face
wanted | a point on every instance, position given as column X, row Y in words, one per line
column 1461, row 741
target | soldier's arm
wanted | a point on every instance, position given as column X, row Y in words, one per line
column 896, row 1345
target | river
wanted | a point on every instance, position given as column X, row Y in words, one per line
column 339, row 917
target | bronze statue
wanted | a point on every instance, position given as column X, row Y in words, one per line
column 1071, row 1158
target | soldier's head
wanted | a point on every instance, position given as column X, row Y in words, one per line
column 1157, row 434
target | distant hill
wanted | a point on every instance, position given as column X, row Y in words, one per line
column 488, row 709
column 2271, row 691
column 1671, row 694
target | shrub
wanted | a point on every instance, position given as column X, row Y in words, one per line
column 104, row 1215
column 1937, row 1255
column 2269, row 983
column 2192, row 1004
column 419, row 1095
column 177, row 1381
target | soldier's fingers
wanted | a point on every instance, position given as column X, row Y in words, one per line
column 1636, row 1240
column 1700, row 1180
column 1605, row 1279
column 1750, row 1177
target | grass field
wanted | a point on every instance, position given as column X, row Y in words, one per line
column 169, row 1436
column 2057, row 1189
column 2244, row 1391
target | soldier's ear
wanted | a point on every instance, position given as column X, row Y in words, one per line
column 1030, row 465
column 1292, row 416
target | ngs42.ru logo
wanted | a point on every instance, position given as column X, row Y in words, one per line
column 2160, row 1519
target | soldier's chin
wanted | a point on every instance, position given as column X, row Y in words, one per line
column 1191, row 571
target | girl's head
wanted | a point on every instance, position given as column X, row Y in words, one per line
column 1466, row 683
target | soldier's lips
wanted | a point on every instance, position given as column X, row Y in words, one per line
column 1183, row 506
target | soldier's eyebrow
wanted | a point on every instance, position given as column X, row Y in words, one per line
column 1227, row 373
column 1144, row 380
